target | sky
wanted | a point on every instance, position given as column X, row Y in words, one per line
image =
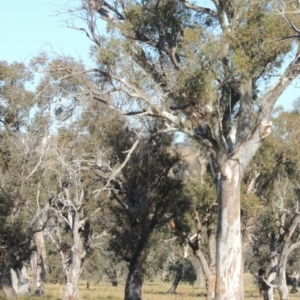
column 29, row 27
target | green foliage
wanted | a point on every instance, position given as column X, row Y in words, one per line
column 16, row 100
column 164, row 21
column 186, row 268
column 146, row 196
column 255, row 41
column 18, row 157
column 276, row 191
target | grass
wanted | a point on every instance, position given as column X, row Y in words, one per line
column 151, row 291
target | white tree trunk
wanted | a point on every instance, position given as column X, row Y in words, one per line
column 72, row 290
column 230, row 284
column 73, row 269
column 272, row 273
column 38, row 265
column 283, row 289
column 7, row 287
column 20, row 281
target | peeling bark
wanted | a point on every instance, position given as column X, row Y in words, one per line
column 20, row 281
column 73, row 267
column 38, row 266
column 229, row 284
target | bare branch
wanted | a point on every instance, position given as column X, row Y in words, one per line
column 199, row 9
column 118, row 169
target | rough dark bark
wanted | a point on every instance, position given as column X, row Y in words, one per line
column 134, row 284
column 177, row 278
column 295, row 284
column 113, row 277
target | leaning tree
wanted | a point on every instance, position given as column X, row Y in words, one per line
column 144, row 196
column 204, row 69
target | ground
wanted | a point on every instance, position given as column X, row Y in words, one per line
column 152, row 291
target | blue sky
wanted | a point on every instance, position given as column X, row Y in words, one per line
column 28, row 27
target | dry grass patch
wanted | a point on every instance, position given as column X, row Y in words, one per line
column 151, row 291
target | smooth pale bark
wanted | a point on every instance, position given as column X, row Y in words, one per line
column 72, row 290
column 201, row 277
column 211, row 287
column 9, row 291
column 7, row 287
column 38, row 261
column 208, row 266
column 229, row 271
column 20, row 281
column 283, row 290
column 209, row 273
column 73, row 269
column 286, row 251
column 269, row 291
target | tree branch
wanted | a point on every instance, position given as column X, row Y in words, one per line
column 118, row 169
column 199, row 9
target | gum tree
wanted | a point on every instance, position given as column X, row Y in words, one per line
column 18, row 158
column 277, row 218
column 145, row 195
column 204, row 69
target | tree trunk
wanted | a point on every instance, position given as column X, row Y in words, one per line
column 229, row 271
column 20, row 281
column 7, row 287
column 211, row 287
column 286, row 251
column 295, row 283
column 177, row 279
column 283, row 289
column 208, row 270
column 134, row 284
column 114, row 278
column 201, row 277
column 268, row 290
column 72, row 290
column 77, row 256
column 38, row 266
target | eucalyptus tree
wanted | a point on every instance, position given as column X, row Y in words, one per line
column 204, row 69
column 275, row 235
column 144, row 196
column 71, row 212
column 18, row 158
column 201, row 236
